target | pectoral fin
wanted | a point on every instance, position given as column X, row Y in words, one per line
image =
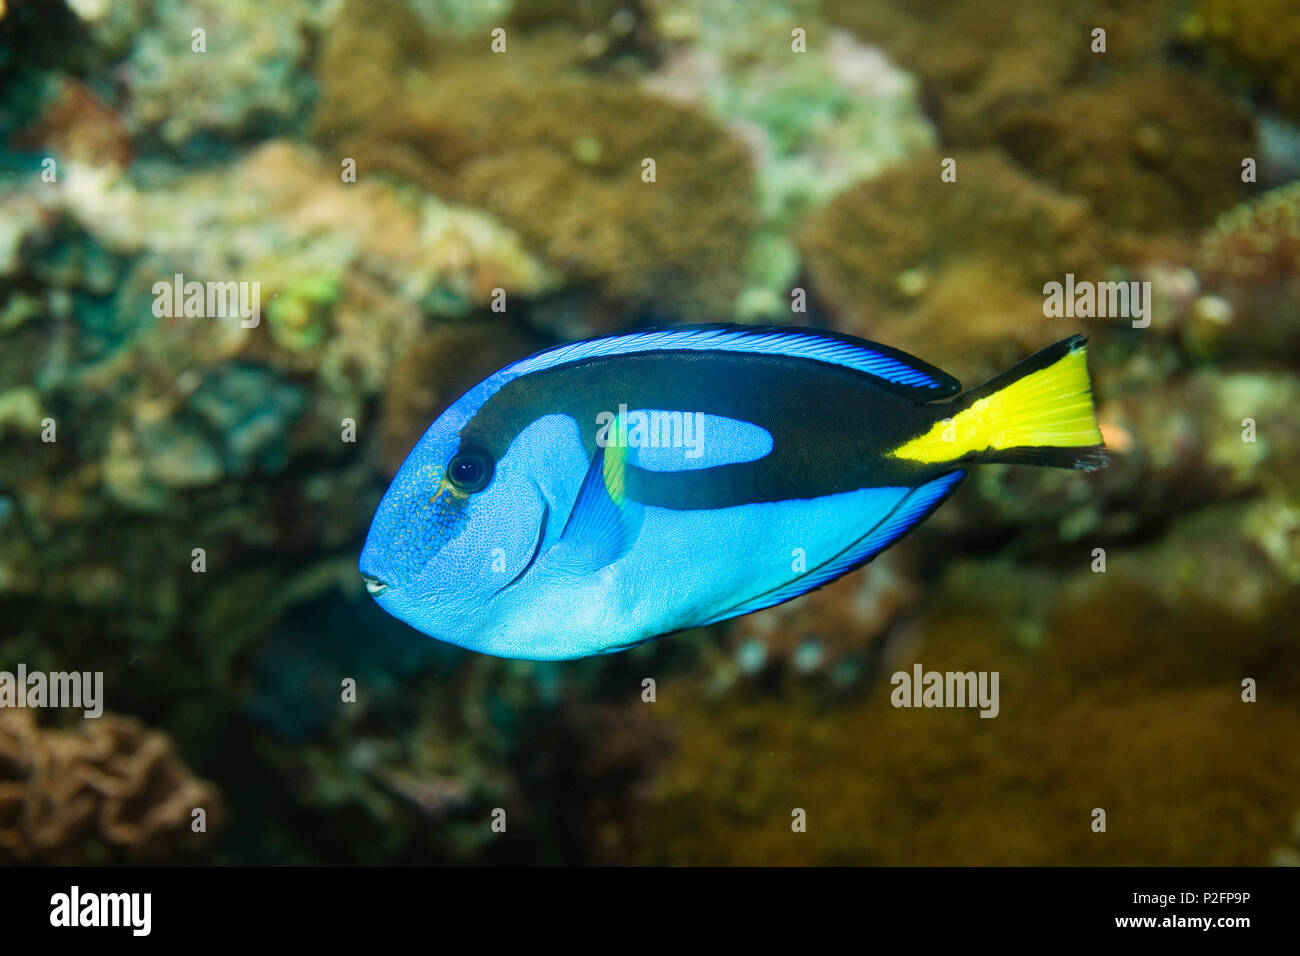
column 604, row 523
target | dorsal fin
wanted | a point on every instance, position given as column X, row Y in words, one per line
column 893, row 369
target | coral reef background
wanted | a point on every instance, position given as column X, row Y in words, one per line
column 133, row 149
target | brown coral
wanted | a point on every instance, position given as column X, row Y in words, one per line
column 1250, row 260
column 1256, row 242
column 1258, row 38
column 1154, row 150
column 111, row 781
column 555, row 154
column 1145, row 720
column 950, row 271
column 974, row 61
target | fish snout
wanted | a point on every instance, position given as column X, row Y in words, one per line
column 375, row 586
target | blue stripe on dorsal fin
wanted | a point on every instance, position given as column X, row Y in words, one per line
column 892, row 368
column 903, row 517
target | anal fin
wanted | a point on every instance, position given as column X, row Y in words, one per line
column 914, row 508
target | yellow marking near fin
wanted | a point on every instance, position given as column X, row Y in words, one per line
column 614, row 467
column 1049, row 407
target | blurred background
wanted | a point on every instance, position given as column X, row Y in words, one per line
column 521, row 170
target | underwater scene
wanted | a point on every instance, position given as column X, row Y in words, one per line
column 650, row 432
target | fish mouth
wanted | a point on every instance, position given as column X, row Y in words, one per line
column 537, row 548
column 375, row 586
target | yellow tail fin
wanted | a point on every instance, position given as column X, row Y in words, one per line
column 1039, row 412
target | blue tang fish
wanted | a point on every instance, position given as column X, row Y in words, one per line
column 605, row 492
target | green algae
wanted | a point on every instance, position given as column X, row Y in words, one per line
column 299, row 316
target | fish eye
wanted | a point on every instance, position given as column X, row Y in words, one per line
column 470, row 471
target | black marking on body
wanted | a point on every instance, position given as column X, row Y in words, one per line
column 831, row 426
